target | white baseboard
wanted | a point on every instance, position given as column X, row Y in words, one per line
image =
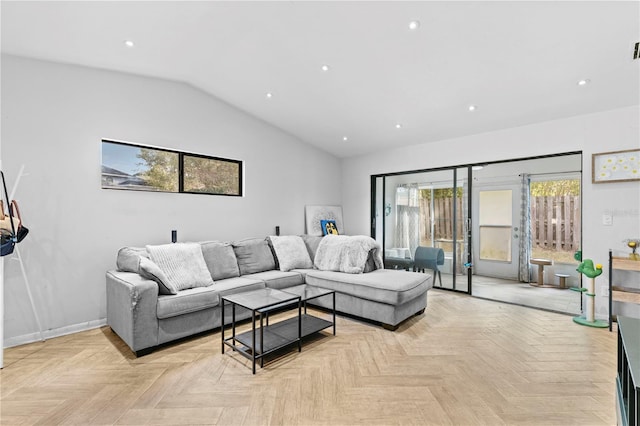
column 56, row 332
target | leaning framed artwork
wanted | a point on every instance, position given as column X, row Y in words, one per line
column 314, row 216
column 328, row 227
column 615, row 166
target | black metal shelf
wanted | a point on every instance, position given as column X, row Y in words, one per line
column 264, row 339
column 283, row 333
column 310, row 325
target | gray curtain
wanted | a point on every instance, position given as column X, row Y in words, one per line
column 524, row 271
column 407, row 232
column 465, row 226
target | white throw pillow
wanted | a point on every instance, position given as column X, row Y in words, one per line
column 182, row 263
column 291, row 252
column 151, row 271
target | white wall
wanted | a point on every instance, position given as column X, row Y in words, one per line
column 606, row 131
column 53, row 119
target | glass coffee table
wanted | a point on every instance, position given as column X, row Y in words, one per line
column 267, row 338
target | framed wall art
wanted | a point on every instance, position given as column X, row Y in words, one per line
column 314, row 216
column 615, row 166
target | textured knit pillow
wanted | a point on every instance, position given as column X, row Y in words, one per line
column 151, row 271
column 291, row 252
column 182, row 263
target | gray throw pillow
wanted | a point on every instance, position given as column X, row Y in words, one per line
column 128, row 259
column 151, row 271
column 312, row 242
column 273, row 253
column 370, row 266
column 291, row 252
column 220, row 259
column 254, row 255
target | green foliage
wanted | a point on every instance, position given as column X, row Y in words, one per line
column 551, row 188
column 162, row 169
column 440, row 193
column 210, row 176
column 200, row 174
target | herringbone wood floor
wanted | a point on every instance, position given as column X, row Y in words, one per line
column 465, row 361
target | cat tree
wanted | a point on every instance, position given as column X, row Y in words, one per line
column 588, row 269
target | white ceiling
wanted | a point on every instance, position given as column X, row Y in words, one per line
column 519, row 62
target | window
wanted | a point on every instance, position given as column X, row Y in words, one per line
column 141, row 168
column 206, row 175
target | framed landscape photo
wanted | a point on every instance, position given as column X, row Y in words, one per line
column 615, row 166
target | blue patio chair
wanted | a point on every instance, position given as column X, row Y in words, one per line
column 429, row 258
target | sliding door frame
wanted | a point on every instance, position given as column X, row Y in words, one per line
column 468, row 265
column 466, row 224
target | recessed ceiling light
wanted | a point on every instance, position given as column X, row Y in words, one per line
column 325, row 68
column 129, row 43
column 344, row 138
column 398, row 126
column 269, row 95
column 472, row 108
column 414, row 25
column 583, row 82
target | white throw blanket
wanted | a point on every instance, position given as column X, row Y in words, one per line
column 348, row 254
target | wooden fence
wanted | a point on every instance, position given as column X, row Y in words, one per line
column 443, row 215
column 555, row 221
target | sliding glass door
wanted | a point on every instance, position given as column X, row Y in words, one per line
column 421, row 221
column 487, row 221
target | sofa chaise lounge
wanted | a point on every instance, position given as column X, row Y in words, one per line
column 145, row 313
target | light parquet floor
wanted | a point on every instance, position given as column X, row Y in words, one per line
column 466, row 361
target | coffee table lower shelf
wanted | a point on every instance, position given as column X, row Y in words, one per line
column 280, row 334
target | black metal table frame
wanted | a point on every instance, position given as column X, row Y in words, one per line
column 232, row 343
column 263, row 313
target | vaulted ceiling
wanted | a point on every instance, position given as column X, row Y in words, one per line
column 385, row 85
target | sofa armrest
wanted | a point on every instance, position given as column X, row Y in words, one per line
column 131, row 309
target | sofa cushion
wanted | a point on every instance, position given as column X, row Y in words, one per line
column 128, row 259
column 273, row 252
column 311, row 242
column 291, row 252
column 186, row 301
column 303, row 272
column 182, row 263
column 237, row 285
column 381, row 285
column 278, row 279
column 371, row 261
column 151, row 271
column 254, row 255
column 220, row 259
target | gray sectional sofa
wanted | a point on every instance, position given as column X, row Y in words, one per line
column 146, row 312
